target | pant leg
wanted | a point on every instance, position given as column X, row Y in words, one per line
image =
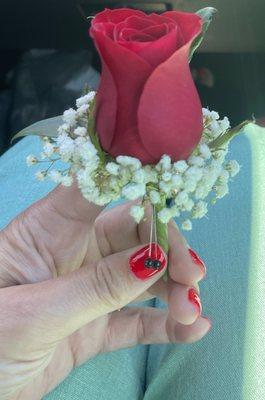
column 227, row 364
column 112, row 376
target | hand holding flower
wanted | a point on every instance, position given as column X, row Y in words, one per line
column 65, row 272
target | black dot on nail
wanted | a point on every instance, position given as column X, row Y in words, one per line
column 156, row 264
column 148, row 262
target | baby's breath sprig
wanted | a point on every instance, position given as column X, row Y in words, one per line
column 181, row 189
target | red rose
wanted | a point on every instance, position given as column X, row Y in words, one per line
column 147, row 103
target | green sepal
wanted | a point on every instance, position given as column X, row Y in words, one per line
column 224, row 138
column 46, row 127
column 91, row 129
column 207, row 15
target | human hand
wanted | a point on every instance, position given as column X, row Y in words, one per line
column 64, row 273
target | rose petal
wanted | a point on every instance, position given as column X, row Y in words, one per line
column 158, row 18
column 170, row 111
column 107, row 27
column 156, row 52
column 134, row 35
column 106, row 110
column 134, row 46
column 116, row 15
column 131, row 145
column 105, row 113
column 156, row 30
column 129, row 72
column 138, row 23
column 118, row 29
column 187, row 22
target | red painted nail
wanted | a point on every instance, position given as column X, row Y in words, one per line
column 145, row 263
column 198, row 261
column 194, row 298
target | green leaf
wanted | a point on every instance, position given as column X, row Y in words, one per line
column 207, row 15
column 228, row 135
column 46, row 127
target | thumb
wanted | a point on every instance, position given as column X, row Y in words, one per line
column 55, row 308
column 70, row 202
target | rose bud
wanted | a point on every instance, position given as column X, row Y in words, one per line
column 147, row 104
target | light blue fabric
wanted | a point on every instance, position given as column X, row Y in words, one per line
column 209, row 369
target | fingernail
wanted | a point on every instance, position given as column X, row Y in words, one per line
column 194, row 298
column 148, row 261
column 198, row 261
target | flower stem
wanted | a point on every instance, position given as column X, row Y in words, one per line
column 162, row 235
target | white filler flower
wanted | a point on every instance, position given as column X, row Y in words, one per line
column 180, row 189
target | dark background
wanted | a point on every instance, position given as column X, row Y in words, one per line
column 46, row 56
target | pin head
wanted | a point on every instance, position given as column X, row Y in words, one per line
column 156, row 264
column 148, row 262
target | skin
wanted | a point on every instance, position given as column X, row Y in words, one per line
column 64, row 275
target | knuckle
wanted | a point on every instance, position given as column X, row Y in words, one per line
column 141, row 328
column 101, row 235
column 178, row 333
column 108, row 291
column 175, row 233
column 109, row 342
column 99, row 225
